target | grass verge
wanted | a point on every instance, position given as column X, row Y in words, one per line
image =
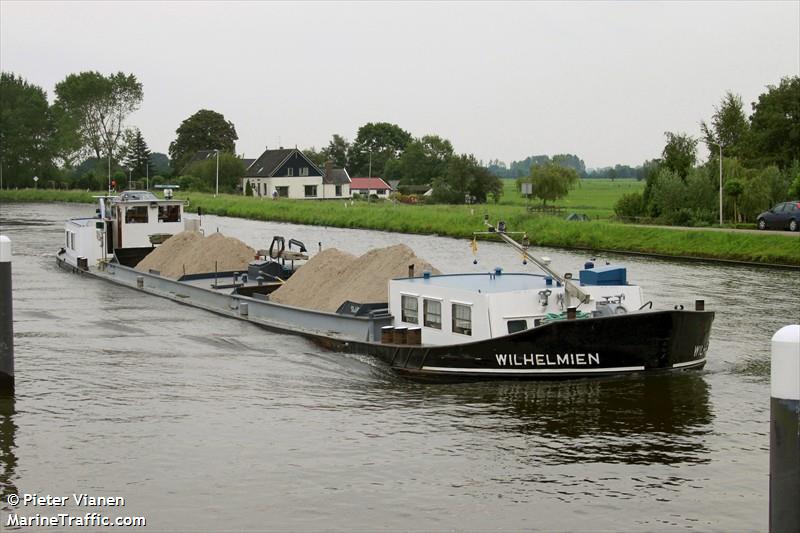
column 461, row 221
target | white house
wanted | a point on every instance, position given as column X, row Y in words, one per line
column 288, row 173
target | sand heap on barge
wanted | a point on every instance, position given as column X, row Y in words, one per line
column 332, row 277
column 189, row 252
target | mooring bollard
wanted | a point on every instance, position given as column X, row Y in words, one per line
column 6, row 319
column 784, row 435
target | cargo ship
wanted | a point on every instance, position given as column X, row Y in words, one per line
column 492, row 325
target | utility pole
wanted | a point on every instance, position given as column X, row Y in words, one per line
column 720, row 185
column 109, row 172
column 217, row 193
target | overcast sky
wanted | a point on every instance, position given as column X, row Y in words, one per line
column 500, row 80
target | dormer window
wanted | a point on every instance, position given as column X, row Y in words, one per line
column 304, row 171
column 290, row 171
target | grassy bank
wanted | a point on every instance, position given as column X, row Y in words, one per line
column 461, row 221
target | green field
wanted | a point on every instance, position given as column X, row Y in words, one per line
column 461, row 221
column 595, row 198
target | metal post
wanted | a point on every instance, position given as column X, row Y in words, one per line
column 784, row 435
column 147, row 167
column 6, row 318
column 720, row 184
column 217, row 193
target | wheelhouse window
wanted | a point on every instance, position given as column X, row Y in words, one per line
column 311, row 191
column 304, row 171
column 283, row 192
column 515, row 326
column 290, row 171
column 338, row 190
column 169, row 213
column 410, row 312
column 136, row 215
column 462, row 319
column 432, row 314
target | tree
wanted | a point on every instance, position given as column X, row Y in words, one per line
column 98, row 106
column 378, row 142
column 630, row 205
column 231, row 170
column 421, row 162
column 680, row 153
column 794, row 188
column 205, row 130
column 336, row 151
column 68, row 146
column 160, row 164
column 463, row 177
column 551, row 182
column 669, row 196
column 729, row 127
column 316, row 156
column 571, row 161
column 733, row 189
column 775, row 125
column 137, row 156
column 25, row 132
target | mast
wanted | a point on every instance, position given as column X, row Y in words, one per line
column 570, row 288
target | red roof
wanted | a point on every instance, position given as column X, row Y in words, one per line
column 369, row 183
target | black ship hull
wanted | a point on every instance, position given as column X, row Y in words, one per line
column 620, row 344
column 643, row 341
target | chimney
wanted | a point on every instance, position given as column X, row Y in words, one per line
column 328, row 168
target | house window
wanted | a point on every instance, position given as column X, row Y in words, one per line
column 432, row 313
column 290, row 171
column 304, row 171
column 311, row 191
column 380, row 191
column 515, row 326
column 283, row 192
column 169, row 213
column 338, row 190
column 136, row 215
column 462, row 319
column 410, row 310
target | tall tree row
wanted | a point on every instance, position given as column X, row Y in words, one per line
column 760, row 163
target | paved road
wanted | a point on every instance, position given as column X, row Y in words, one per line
column 785, row 233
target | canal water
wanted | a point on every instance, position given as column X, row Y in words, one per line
column 205, row 423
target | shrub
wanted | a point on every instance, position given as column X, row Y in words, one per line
column 630, row 205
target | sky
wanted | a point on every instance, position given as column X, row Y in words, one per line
column 501, row 80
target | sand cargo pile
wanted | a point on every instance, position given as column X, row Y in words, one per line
column 332, row 277
column 189, row 252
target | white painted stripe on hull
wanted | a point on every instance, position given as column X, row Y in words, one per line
column 689, row 363
column 533, row 370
